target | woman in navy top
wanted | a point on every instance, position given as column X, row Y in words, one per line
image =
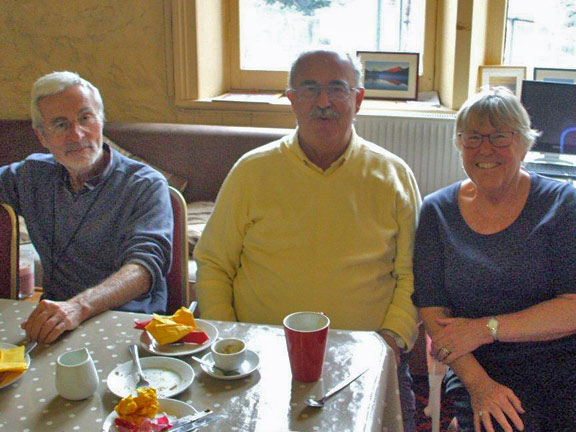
column 495, row 277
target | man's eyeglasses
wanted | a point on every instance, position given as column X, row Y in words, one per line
column 311, row 92
column 60, row 128
column 498, row 139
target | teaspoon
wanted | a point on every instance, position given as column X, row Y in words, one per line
column 319, row 403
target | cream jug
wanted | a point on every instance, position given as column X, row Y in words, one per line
column 76, row 375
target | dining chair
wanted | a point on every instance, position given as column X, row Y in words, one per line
column 177, row 277
column 436, row 372
column 9, row 237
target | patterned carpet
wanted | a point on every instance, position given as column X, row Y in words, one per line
column 423, row 423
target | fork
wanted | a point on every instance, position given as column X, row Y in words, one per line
column 142, row 382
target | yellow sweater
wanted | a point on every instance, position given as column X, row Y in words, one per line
column 286, row 236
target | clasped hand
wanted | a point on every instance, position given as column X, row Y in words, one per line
column 50, row 319
column 458, row 336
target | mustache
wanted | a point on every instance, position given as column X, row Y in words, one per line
column 323, row 113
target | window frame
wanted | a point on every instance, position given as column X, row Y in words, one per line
column 460, row 36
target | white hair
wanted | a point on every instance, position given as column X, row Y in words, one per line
column 501, row 108
column 54, row 83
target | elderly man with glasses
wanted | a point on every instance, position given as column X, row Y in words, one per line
column 101, row 223
column 320, row 220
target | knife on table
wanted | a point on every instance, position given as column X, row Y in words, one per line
column 193, row 422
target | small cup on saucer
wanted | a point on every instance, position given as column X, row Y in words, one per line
column 228, row 354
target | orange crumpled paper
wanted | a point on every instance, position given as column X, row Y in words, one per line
column 136, row 408
column 169, row 329
column 13, row 360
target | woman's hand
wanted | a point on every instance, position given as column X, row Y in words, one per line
column 457, row 337
column 493, row 400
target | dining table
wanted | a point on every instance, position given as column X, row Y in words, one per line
column 266, row 400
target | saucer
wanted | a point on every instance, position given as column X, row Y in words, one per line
column 169, row 376
column 171, row 407
column 250, row 364
column 149, row 344
column 7, row 378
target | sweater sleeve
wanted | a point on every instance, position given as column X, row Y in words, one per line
column 402, row 317
column 218, row 251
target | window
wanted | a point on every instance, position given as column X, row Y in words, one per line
column 283, row 28
column 541, row 34
column 271, row 33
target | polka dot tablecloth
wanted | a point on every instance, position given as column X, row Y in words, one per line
column 266, row 400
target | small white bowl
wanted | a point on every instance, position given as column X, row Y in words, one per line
column 228, row 354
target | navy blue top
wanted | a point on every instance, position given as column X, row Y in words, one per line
column 476, row 275
column 124, row 216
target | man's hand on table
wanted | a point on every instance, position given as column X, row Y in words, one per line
column 50, row 319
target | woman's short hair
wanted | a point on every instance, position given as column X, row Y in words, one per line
column 344, row 56
column 54, row 83
column 501, row 108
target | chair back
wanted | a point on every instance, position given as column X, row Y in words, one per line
column 8, row 252
column 177, row 277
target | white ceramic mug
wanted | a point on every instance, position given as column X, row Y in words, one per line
column 228, row 354
column 76, row 375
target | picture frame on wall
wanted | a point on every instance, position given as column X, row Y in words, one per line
column 565, row 76
column 390, row 75
column 510, row 77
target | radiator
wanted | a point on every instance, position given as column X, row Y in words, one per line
column 424, row 141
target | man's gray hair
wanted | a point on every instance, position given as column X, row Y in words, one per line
column 501, row 108
column 344, row 56
column 54, row 83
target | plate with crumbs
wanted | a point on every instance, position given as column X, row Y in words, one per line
column 169, row 376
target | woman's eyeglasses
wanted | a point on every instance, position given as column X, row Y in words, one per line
column 498, row 139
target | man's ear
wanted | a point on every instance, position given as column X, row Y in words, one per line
column 359, row 98
column 40, row 135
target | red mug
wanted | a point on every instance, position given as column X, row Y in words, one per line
column 306, row 334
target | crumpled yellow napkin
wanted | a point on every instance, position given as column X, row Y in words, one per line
column 169, row 329
column 13, row 360
column 136, row 408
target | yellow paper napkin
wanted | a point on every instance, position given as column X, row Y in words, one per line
column 136, row 408
column 169, row 329
column 13, row 359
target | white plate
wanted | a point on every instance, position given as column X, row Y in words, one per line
column 8, row 378
column 250, row 364
column 169, row 406
column 167, row 375
column 149, row 344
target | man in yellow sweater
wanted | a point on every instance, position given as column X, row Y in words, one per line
column 319, row 220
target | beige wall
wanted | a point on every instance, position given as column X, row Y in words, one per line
column 118, row 45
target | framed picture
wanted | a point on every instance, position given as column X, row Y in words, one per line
column 566, row 76
column 505, row 76
column 390, row 75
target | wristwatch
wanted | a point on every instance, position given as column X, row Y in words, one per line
column 493, row 327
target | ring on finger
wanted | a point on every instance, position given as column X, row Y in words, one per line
column 445, row 351
column 480, row 413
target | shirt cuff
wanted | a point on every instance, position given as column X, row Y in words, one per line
column 399, row 341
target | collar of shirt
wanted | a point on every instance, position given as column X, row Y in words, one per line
column 94, row 181
column 294, row 146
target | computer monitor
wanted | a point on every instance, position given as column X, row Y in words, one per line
column 552, row 110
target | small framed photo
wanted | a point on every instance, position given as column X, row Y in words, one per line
column 505, row 76
column 566, row 76
column 390, row 75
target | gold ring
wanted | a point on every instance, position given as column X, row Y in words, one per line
column 480, row 413
column 445, row 351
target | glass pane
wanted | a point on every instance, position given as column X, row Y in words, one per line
column 273, row 32
column 541, row 34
